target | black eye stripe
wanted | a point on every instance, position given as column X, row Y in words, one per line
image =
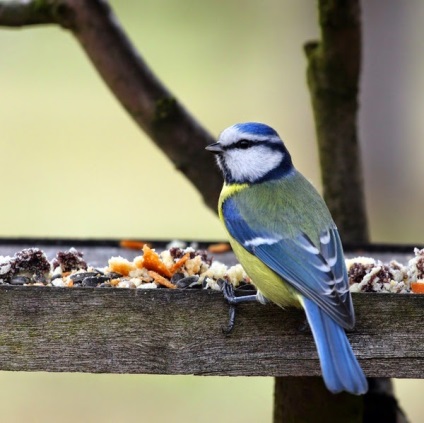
column 241, row 145
column 247, row 144
column 244, row 144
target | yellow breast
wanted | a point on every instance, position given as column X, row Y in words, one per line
column 270, row 285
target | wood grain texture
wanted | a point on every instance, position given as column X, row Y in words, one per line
column 179, row 332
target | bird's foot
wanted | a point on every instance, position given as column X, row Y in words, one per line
column 232, row 300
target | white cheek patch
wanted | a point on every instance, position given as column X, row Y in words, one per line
column 253, row 163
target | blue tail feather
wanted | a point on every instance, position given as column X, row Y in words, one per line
column 340, row 369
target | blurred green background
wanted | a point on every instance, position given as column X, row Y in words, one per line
column 73, row 164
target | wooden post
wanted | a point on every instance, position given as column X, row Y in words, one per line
column 315, row 400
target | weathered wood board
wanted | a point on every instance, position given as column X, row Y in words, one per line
column 179, row 332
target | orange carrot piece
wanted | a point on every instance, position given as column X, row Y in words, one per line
column 219, row 248
column 417, row 287
column 161, row 280
column 131, row 244
column 152, row 261
column 180, row 263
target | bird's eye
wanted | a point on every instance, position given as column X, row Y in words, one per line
column 243, row 144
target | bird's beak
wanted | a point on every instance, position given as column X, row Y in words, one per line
column 215, row 148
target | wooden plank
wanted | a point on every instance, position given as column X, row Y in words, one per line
column 179, row 332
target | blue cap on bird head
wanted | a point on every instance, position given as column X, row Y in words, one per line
column 256, row 128
column 251, row 152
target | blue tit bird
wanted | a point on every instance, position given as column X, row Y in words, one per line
column 282, row 233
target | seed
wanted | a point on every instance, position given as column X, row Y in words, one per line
column 177, row 277
column 113, row 275
column 187, row 282
column 79, row 277
column 93, row 281
column 20, row 280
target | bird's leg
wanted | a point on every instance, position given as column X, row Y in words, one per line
column 230, row 297
column 232, row 300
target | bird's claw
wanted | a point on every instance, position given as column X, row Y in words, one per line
column 226, row 330
column 228, row 293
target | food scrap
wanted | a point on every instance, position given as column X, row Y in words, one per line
column 131, row 244
column 369, row 275
column 182, row 267
column 417, row 287
column 172, row 268
column 219, row 248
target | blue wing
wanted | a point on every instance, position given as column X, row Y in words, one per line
column 318, row 272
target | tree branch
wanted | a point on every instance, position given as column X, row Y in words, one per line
column 18, row 13
column 155, row 109
column 333, row 79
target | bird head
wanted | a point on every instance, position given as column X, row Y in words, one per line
column 250, row 153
